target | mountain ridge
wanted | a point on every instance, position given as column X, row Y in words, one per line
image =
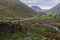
column 55, row 9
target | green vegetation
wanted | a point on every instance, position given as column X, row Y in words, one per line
column 16, row 31
column 11, row 31
column 46, row 16
column 13, row 36
column 49, row 15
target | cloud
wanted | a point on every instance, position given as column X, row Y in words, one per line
column 45, row 4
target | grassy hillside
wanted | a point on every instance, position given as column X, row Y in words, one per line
column 15, row 8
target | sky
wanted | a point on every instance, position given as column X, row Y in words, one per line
column 44, row 4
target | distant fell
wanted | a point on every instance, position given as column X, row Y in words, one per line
column 38, row 9
column 55, row 9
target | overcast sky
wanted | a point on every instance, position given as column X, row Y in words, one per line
column 44, row 4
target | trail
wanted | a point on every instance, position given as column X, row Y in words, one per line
column 28, row 18
column 52, row 27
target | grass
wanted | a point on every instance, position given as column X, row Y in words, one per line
column 13, row 36
column 37, row 35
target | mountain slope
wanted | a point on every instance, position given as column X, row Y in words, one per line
column 15, row 7
column 55, row 9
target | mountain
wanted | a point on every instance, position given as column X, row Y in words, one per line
column 16, row 8
column 38, row 9
column 55, row 9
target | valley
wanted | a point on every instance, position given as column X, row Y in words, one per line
column 21, row 22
